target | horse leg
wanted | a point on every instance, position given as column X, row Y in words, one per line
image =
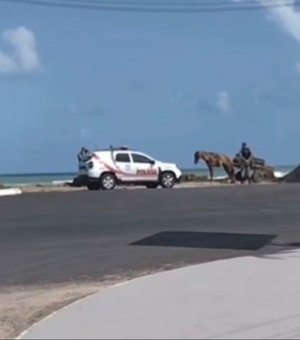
column 211, row 174
column 226, row 169
column 230, row 172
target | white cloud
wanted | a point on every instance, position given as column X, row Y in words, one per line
column 284, row 13
column 286, row 16
column 224, row 102
column 23, row 57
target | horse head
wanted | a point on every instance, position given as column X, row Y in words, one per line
column 196, row 157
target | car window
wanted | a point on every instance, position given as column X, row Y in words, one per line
column 122, row 157
column 140, row 158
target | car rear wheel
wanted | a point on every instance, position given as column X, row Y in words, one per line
column 167, row 179
column 93, row 185
column 108, row 181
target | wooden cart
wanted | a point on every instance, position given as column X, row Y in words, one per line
column 259, row 170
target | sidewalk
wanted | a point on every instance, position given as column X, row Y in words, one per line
column 246, row 298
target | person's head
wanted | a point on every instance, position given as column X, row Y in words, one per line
column 244, row 145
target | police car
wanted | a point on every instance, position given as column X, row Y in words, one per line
column 104, row 169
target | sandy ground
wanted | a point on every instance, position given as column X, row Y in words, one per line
column 60, row 188
column 22, row 306
column 50, row 188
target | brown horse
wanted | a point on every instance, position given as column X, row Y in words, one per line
column 215, row 160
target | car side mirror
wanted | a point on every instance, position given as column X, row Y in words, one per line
column 152, row 162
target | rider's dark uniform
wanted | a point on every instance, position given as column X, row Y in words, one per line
column 246, row 162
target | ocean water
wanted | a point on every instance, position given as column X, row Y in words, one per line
column 39, row 178
column 55, row 178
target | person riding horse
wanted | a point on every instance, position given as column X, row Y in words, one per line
column 246, row 158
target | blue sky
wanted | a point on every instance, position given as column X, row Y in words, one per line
column 167, row 84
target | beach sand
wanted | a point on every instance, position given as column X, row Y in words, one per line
column 61, row 188
column 22, row 306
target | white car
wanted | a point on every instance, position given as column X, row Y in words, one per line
column 104, row 169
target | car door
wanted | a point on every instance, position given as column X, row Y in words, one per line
column 123, row 164
column 144, row 167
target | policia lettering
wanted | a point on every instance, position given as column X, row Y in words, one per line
column 147, row 172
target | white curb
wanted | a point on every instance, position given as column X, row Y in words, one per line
column 10, row 192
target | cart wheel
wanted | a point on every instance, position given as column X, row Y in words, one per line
column 238, row 176
column 257, row 176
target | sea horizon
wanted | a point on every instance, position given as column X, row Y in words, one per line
column 53, row 178
column 195, row 168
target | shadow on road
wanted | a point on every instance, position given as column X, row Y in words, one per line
column 187, row 239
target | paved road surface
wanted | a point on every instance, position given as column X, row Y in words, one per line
column 59, row 237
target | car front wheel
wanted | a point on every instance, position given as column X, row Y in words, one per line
column 167, row 180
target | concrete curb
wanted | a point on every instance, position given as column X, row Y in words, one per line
column 10, row 192
column 208, row 304
column 21, row 335
column 90, row 296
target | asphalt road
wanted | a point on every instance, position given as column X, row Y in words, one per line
column 60, row 237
